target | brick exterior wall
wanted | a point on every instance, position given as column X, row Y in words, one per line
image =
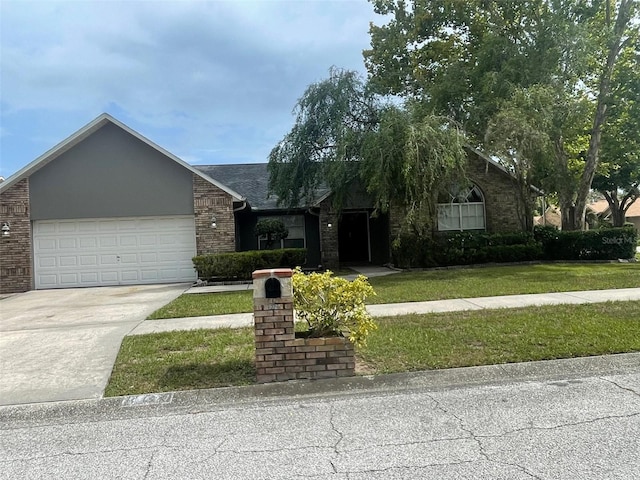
column 501, row 203
column 209, row 201
column 280, row 355
column 16, row 249
column 328, row 236
column 500, row 195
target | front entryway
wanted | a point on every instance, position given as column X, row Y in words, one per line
column 353, row 237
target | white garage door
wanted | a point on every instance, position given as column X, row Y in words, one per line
column 113, row 251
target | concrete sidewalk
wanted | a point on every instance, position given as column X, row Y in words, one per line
column 480, row 303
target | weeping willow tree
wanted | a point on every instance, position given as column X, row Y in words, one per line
column 343, row 133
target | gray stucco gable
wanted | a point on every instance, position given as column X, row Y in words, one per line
column 88, row 130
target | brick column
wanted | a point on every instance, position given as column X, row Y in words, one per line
column 328, row 236
column 279, row 354
column 210, row 201
column 16, row 248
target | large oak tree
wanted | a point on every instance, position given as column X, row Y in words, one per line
column 468, row 60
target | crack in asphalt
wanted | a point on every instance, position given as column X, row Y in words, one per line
column 77, row 454
column 478, row 440
column 627, row 389
column 404, row 444
column 149, row 465
column 408, row 467
column 336, row 452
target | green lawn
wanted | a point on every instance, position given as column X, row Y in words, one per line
column 201, row 304
column 506, row 280
column 214, row 358
column 162, row 362
column 425, row 342
column 441, row 284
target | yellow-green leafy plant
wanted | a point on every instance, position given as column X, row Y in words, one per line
column 333, row 305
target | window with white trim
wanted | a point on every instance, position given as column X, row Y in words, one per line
column 295, row 238
column 461, row 209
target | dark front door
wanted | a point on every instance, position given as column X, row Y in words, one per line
column 353, row 237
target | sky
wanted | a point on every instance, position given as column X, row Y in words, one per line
column 211, row 82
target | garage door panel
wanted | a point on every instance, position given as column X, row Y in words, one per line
column 46, row 262
column 45, row 244
column 68, row 261
column 48, row 281
column 108, row 241
column 148, row 257
column 67, row 244
column 88, row 243
column 88, row 260
column 149, row 275
column 93, row 252
column 109, row 260
column 66, row 279
column 148, row 240
column 129, row 258
column 129, row 276
column 128, row 241
column 87, row 227
column 109, row 277
column 89, row 277
column 67, row 227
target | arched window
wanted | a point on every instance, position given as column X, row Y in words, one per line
column 461, row 209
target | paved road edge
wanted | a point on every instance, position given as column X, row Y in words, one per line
column 193, row 401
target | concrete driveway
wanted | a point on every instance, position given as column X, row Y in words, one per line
column 61, row 344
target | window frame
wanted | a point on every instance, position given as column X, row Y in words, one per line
column 284, row 219
column 458, row 203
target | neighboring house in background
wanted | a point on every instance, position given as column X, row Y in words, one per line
column 109, row 207
column 552, row 217
column 602, row 210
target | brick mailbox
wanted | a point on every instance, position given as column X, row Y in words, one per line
column 279, row 354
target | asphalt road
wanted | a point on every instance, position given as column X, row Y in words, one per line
column 570, row 419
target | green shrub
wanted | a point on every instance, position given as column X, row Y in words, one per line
column 240, row 265
column 272, row 228
column 600, row 244
column 333, row 305
column 463, row 248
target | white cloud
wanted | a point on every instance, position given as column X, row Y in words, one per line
column 207, row 75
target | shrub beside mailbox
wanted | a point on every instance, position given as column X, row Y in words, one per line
column 279, row 354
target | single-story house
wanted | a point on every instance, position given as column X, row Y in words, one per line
column 602, row 209
column 107, row 206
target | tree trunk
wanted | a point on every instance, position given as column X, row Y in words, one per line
column 591, row 161
column 619, row 207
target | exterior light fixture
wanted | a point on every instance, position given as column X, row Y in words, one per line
column 6, row 229
column 214, row 222
column 329, row 225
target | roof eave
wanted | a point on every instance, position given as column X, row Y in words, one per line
column 500, row 167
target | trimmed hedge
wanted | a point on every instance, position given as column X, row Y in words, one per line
column 547, row 243
column 601, row 244
column 240, row 265
column 464, row 248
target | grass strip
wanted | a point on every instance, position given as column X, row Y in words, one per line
column 214, row 358
column 440, row 285
column 170, row 361
column 203, row 304
column 503, row 280
column 461, row 339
